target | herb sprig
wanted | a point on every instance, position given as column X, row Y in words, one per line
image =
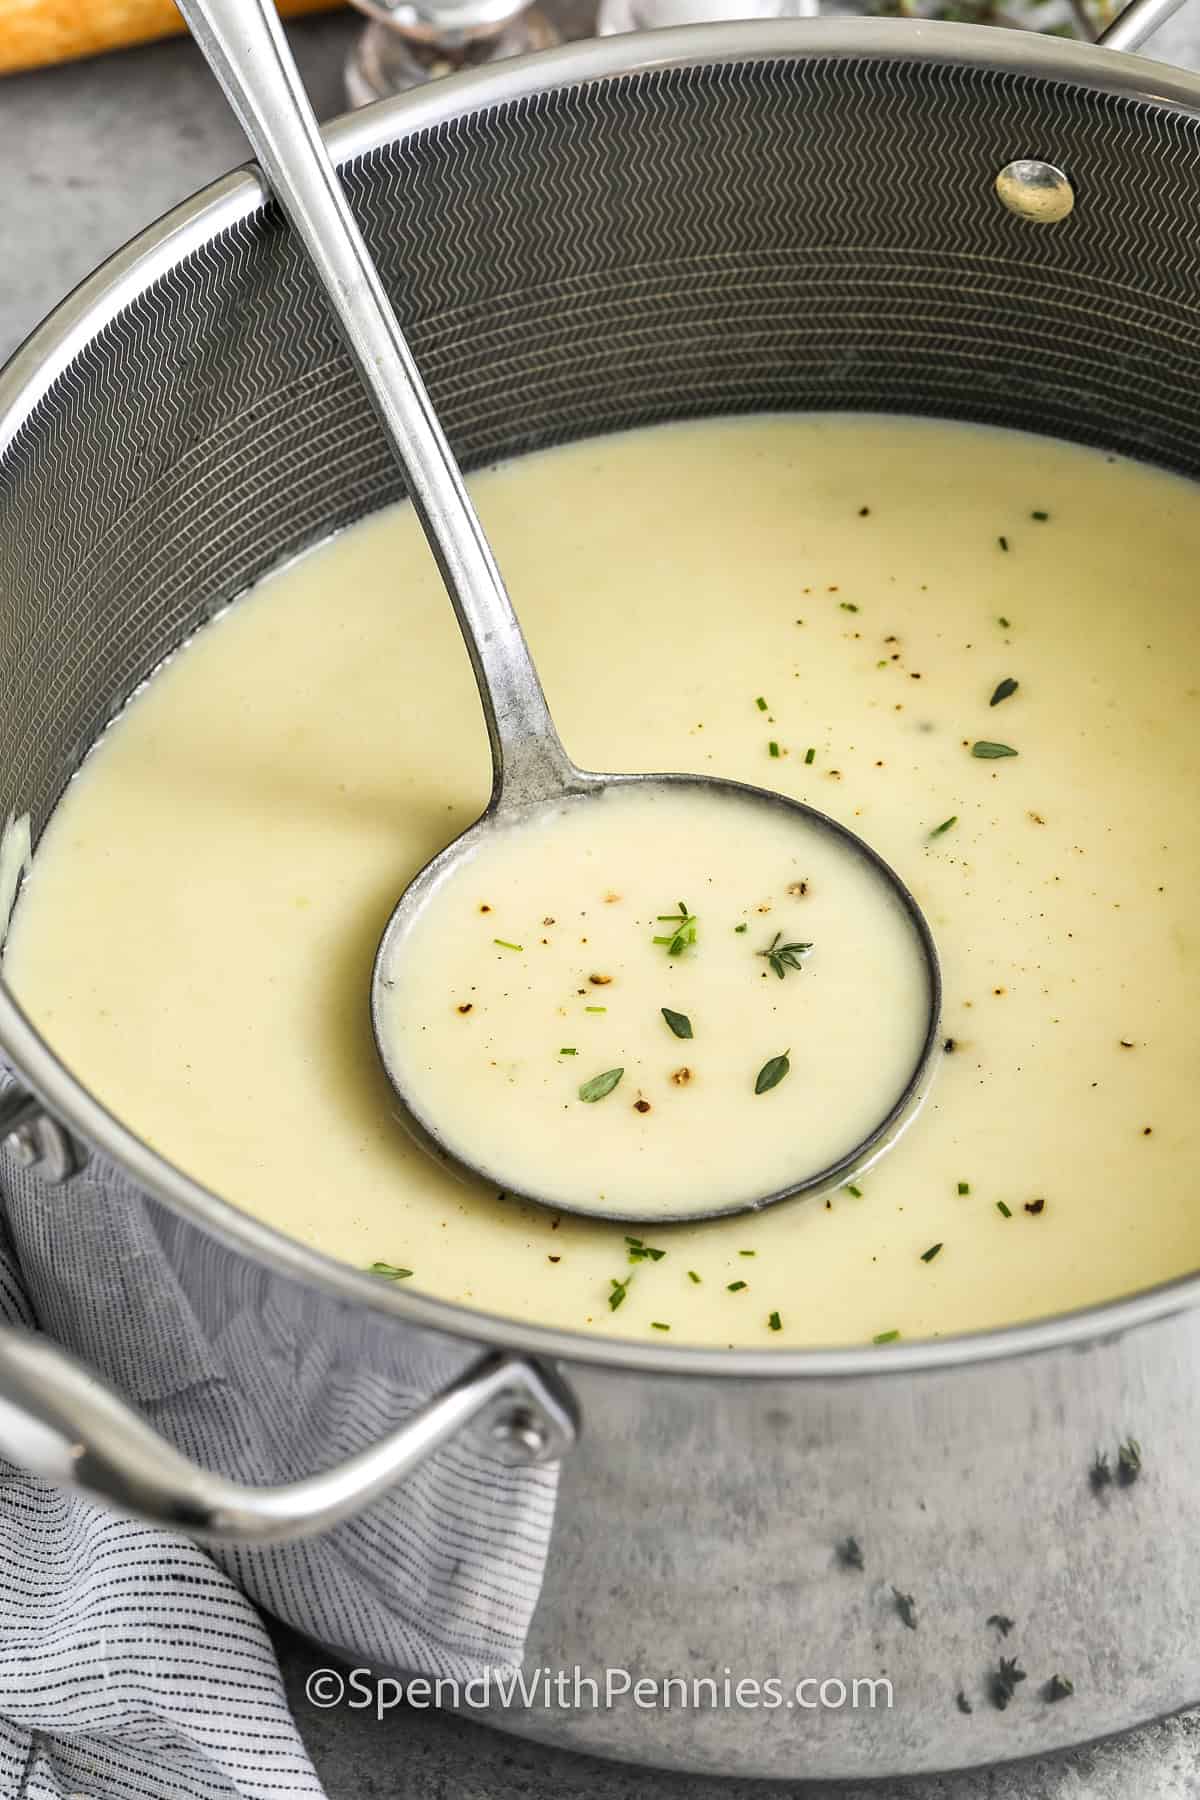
column 783, row 957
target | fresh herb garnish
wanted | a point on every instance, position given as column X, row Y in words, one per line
column 1041, row 517
column 1129, row 1462
column 783, row 957
column 1006, row 1210
column 657, row 1325
column 1100, row 1474
column 1059, row 1687
column 618, row 1291
column 735, row 1287
column 747, row 1252
column 568, row 1050
column 849, row 1188
column 945, row 826
column 885, row 1337
column 1003, row 542
column 595, row 1009
column 964, row 1187
column 692, row 1276
column 850, row 1554
column 677, row 941
column 773, row 748
column 928, row 1255
column 906, row 1606
column 1004, row 690
column 847, row 606
column 771, row 1074
column 962, row 1703
column 505, row 945
column 810, row 754
column 389, row 1271
column 1006, row 623
column 679, row 1023
column 1004, row 1682
column 740, row 928
column 600, row 1085
column 1002, row 1622
column 990, row 752
column 774, row 1322
column 640, row 1252
column 761, row 704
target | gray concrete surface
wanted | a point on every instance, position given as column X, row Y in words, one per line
column 89, row 154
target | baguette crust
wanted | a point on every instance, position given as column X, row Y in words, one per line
column 34, row 32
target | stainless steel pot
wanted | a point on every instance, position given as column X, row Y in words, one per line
column 702, row 221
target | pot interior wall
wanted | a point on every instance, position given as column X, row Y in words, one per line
column 798, row 232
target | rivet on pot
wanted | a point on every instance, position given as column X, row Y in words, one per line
column 520, row 1435
column 1036, row 191
column 34, row 1140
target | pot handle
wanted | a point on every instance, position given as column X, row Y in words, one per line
column 59, row 1420
column 1136, row 22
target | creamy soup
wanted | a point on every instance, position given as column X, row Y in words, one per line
column 715, row 1057
column 977, row 649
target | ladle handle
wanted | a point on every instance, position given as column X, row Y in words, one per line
column 1136, row 22
column 244, row 45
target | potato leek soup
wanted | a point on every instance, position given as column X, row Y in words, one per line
column 978, row 650
column 702, row 1073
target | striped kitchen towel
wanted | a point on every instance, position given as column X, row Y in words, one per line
column 131, row 1668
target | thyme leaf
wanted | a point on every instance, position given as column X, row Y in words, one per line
column 600, row 1085
column 771, row 1074
column 678, row 1022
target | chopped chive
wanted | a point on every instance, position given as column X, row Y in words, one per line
column 761, row 704
column 849, row 1188
column 389, row 1271
column 692, row 1276
column 774, row 1322
column 639, row 1252
column 568, row 1050
column 809, row 754
column 747, row 1252
column 991, row 751
column 1041, row 517
column 1059, row 1687
column 1004, row 691
column 928, row 1255
column 657, row 1325
column 618, row 1291
column 885, row 1337
column 595, row 1009
column 505, row 945
column 1006, row 1210
column 684, row 934
column 773, row 747
column 1003, row 542
column 945, row 825
column 735, row 1287
column 678, row 1022
column 771, row 1074
column 600, row 1085
column 964, row 1187
column 1006, row 623
column 847, row 606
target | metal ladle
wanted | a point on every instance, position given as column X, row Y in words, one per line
column 244, row 45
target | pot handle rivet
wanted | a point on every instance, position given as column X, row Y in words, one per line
column 32, row 1139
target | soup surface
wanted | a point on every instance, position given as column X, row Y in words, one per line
column 837, row 606
column 709, row 1062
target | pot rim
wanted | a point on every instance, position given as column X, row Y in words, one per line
column 234, row 198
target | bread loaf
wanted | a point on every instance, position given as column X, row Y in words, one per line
column 33, row 32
